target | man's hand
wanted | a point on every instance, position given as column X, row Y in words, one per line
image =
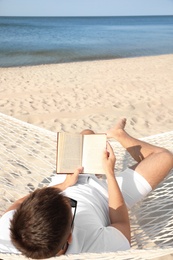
column 71, row 179
column 108, row 160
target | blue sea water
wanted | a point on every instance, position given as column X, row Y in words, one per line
column 45, row 40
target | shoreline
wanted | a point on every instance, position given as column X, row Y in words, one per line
column 92, row 94
column 83, row 61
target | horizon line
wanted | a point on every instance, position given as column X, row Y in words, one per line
column 85, row 16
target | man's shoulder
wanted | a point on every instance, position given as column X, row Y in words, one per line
column 6, row 245
column 5, row 225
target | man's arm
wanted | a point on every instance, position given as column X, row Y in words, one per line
column 17, row 203
column 117, row 208
column 70, row 180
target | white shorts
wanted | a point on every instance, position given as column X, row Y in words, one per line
column 134, row 187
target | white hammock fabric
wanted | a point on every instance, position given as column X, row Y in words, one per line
column 27, row 161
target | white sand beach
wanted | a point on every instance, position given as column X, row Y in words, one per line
column 73, row 96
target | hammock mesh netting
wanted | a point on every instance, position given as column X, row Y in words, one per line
column 28, row 160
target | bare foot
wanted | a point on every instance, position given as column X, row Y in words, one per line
column 117, row 129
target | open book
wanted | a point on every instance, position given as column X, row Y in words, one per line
column 76, row 150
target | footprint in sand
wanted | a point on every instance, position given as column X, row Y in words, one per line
column 133, row 121
column 147, row 124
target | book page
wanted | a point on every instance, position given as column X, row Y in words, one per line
column 93, row 147
column 69, row 152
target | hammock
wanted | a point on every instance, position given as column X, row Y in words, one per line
column 27, row 161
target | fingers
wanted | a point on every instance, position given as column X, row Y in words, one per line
column 110, row 150
column 105, row 154
column 108, row 153
column 78, row 170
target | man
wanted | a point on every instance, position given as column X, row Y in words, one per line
column 43, row 224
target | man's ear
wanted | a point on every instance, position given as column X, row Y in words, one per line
column 69, row 240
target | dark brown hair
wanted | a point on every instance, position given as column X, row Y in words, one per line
column 41, row 225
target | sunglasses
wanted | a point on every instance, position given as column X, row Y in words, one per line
column 73, row 204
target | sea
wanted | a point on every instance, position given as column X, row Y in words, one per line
column 49, row 40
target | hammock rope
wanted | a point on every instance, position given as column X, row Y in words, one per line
column 28, row 160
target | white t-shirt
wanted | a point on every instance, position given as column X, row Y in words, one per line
column 92, row 231
column 6, row 245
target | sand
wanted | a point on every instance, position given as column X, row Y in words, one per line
column 74, row 96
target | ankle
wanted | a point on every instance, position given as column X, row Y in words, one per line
column 120, row 134
column 118, row 130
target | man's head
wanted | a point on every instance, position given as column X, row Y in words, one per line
column 42, row 224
